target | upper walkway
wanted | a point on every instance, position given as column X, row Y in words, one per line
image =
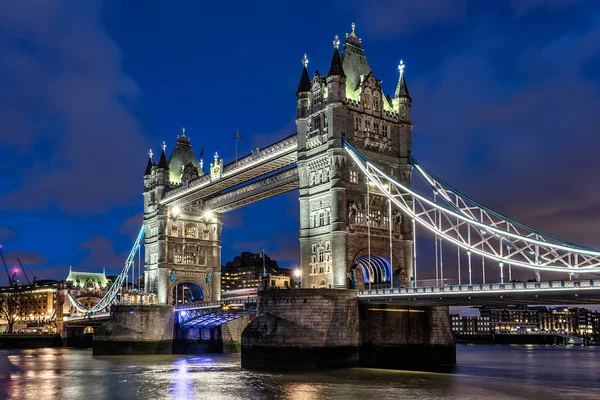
column 552, row 292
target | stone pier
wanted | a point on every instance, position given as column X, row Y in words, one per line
column 405, row 337
column 328, row 328
column 303, row 329
column 136, row 329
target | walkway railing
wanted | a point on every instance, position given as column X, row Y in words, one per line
column 487, row 287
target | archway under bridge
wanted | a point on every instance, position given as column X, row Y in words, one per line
column 186, row 292
column 373, row 269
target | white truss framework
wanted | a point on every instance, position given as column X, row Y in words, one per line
column 115, row 288
column 465, row 223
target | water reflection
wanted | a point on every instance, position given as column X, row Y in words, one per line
column 484, row 371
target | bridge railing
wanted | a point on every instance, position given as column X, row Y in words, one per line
column 86, row 317
column 486, row 287
column 242, row 300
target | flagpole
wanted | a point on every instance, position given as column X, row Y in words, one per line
column 237, row 134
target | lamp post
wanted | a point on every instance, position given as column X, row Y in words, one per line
column 298, row 276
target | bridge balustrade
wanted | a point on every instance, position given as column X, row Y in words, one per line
column 486, row 287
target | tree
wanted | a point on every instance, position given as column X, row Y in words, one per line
column 15, row 305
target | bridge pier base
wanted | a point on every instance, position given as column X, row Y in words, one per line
column 405, row 337
column 224, row 338
column 303, row 329
column 328, row 328
column 136, row 329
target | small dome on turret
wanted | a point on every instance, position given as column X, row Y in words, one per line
column 181, row 156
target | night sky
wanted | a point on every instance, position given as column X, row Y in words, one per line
column 506, row 107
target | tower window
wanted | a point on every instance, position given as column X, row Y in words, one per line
column 353, row 176
column 190, row 230
column 316, row 125
column 205, row 235
column 322, row 219
column 317, row 96
column 174, row 230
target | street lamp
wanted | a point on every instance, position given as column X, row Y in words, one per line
column 298, row 276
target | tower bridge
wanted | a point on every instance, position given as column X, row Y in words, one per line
column 351, row 162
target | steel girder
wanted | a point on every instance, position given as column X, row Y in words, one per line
column 477, row 229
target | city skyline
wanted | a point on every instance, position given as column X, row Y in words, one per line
column 514, row 105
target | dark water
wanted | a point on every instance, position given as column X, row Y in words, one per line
column 483, row 372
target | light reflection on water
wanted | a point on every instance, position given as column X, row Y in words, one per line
column 494, row 372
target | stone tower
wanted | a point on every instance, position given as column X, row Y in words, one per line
column 182, row 243
column 349, row 103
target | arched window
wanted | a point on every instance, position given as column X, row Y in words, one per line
column 353, row 176
column 190, row 230
column 367, row 99
column 202, row 256
column 317, row 96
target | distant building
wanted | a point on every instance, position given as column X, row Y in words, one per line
column 87, row 280
column 469, row 322
column 248, row 269
column 576, row 321
column 29, row 308
column 511, row 319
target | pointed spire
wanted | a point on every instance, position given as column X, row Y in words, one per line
column 401, row 88
column 336, row 62
column 162, row 163
column 150, row 164
column 304, row 85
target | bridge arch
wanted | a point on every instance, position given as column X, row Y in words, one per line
column 186, row 290
column 381, row 269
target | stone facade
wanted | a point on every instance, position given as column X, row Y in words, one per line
column 323, row 328
column 405, row 337
column 136, row 330
column 182, row 244
column 302, row 328
column 349, row 103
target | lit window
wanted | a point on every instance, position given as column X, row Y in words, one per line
column 190, row 230
column 174, row 230
column 353, row 176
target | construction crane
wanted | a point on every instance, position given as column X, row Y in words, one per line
column 10, row 280
column 24, row 273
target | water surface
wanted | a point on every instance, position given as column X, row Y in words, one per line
column 483, row 372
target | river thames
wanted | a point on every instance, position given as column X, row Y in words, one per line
column 493, row 372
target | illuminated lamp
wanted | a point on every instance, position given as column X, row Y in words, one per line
column 208, row 214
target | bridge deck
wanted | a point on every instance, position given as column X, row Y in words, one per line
column 552, row 292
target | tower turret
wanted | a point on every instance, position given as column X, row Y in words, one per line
column 149, row 165
column 303, row 92
column 336, row 78
column 402, row 100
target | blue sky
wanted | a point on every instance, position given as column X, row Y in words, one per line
column 505, row 107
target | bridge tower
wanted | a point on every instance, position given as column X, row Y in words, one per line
column 349, row 103
column 182, row 243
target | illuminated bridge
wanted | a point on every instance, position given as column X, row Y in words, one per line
column 351, row 163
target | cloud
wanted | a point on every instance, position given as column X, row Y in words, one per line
column 523, row 7
column 63, row 91
column 7, row 234
column 131, row 226
column 101, row 254
column 385, row 18
column 265, row 139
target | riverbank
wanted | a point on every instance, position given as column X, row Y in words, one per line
column 18, row 341
column 514, row 339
